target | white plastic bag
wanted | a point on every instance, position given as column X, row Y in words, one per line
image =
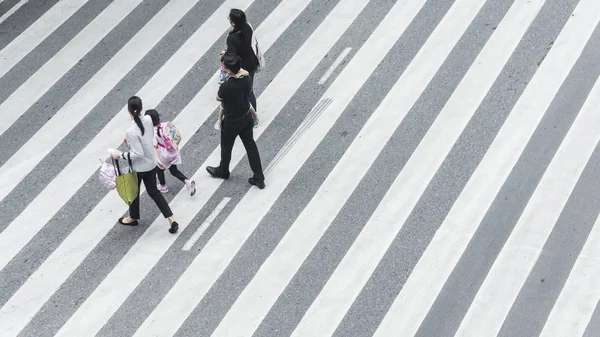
column 257, row 51
column 108, row 173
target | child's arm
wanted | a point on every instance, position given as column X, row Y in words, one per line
column 159, row 164
column 253, row 112
column 242, row 73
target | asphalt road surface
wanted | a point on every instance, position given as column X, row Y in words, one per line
column 431, row 169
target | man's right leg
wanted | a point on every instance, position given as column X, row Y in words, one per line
column 253, row 156
column 228, row 136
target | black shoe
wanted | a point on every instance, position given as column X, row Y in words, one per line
column 174, row 227
column 258, row 183
column 214, row 171
column 133, row 223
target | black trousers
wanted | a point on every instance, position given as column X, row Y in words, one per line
column 252, row 97
column 174, row 172
column 242, row 127
column 149, row 178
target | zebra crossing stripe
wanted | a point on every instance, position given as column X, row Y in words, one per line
column 79, row 170
column 37, row 85
column 12, row 10
column 361, row 260
column 575, row 305
column 276, row 272
column 36, row 33
column 211, row 217
column 435, row 265
column 522, row 249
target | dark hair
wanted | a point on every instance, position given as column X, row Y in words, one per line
column 155, row 119
column 238, row 18
column 154, row 115
column 134, row 105
column 232, row 62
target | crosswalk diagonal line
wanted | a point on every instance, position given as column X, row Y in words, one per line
column 522, row 249
column 79, row 170
column 93, row 228
column 222, row 247
column 211, row 217
column 78, row 107
column 12, row 10
column 360, row 261
column 437, row 262
column 577, row 301
column 43, row 79
column 37, row 32
column 309, row 120
column 275, row 273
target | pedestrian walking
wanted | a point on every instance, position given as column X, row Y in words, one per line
column 237, row 121
column 224, row 77
column 167, row 153
column 239, row 42
column 140, row 139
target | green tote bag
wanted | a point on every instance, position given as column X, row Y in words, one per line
column 127, row 183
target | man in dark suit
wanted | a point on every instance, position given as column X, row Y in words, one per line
column 237, row 121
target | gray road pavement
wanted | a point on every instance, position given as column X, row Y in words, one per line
column 431, row 167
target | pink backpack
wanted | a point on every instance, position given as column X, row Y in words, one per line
column 170, row 135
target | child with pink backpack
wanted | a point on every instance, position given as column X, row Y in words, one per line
column 166, row 146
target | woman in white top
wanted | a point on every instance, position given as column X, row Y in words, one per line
column 140, row 139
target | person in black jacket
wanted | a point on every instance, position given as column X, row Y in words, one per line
column 237, row 121
column 239, row 42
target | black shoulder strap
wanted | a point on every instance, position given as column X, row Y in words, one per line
column 129, row 160
column 116, row 166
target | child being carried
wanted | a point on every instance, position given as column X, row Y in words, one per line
column 223, row 76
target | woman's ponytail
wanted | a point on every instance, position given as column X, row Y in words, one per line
column 134, row 105
column 138, row 121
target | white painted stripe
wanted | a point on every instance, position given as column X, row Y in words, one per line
column 37, row 32
column 235, row 230
column 274, row 275
column 80, row 105
column 211, row 217
column 334, row 65
column 334, row 300
column 79, row 170
column 53, row 70
column 522, row 249
column 147, row 251
column 577, row 301
column 12, row 10
column 433, row 269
